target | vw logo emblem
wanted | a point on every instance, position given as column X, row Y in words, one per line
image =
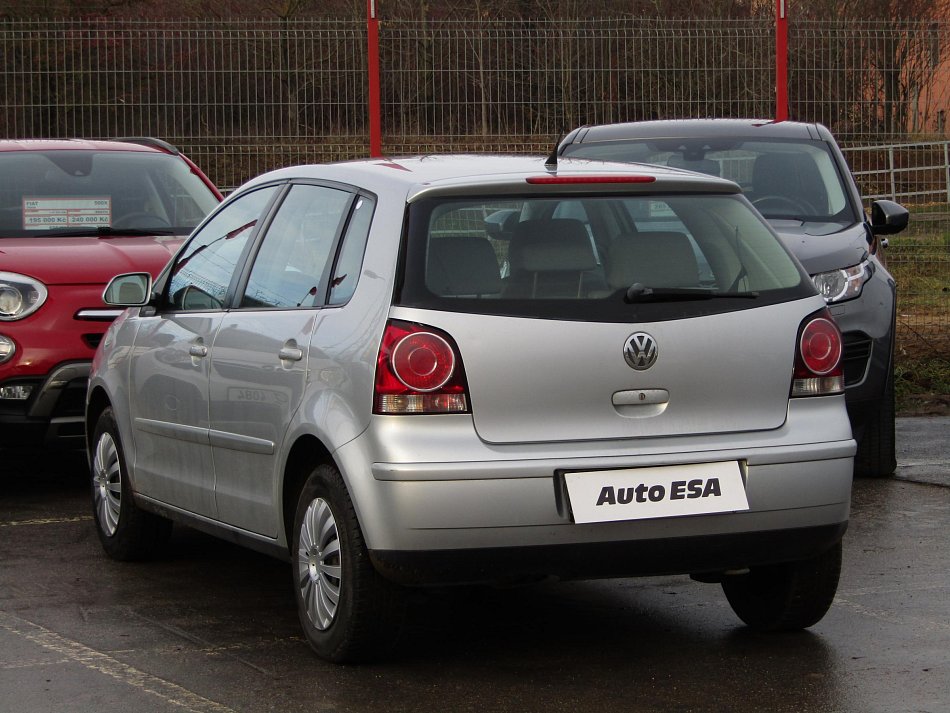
column 640, row 351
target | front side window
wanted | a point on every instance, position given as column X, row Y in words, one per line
column 597, row 258
column 204, row 269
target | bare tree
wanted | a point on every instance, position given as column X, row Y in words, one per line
column 898, row 56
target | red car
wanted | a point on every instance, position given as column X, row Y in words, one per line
column 73, row 214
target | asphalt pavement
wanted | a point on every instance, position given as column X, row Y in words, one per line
column 923, row 449
column 211, row 627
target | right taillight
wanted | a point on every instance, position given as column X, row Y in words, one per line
column 418, row 371
column 818, row 369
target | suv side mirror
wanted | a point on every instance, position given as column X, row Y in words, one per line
column 130, row 290
column 888, row 217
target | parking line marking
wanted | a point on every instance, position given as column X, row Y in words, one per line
column 46, row 521
column 103, row 663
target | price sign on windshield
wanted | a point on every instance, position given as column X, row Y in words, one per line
column 41, row 213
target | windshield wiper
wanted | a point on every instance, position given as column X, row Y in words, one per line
column 785, row 216
column 638, row 292
column 103, row 232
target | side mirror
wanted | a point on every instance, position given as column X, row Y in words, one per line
column 888, row 217
column 499, row 222
column 194, row 298
column 130, row 290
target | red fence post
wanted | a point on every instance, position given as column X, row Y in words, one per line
column 781, row 61
column 372, row 60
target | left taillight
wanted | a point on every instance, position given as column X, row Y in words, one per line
column 818, row 370
column 418, row 371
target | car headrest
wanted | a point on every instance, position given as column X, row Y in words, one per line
column 655, row 259
column 551, row 245
column 462, row 265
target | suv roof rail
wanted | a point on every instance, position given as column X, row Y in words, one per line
column 149, row 141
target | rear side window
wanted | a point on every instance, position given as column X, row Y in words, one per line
column 580, row 257
column 291, row 267
column 347, row 270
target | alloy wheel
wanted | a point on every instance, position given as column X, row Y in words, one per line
column 319, row 564
column 107, row 483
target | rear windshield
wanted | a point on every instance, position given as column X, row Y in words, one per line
column 595, row 258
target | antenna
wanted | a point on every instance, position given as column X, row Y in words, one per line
column 565, row 140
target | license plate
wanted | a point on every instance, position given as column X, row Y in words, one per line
column 664, row 491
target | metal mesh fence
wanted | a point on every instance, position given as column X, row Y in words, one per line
column 240, row 97
column 520, row 85
column 245, row 96
column 918, row 176
column 873, row 81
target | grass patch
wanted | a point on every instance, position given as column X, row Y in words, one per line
column 922, row 385
column 919, row 260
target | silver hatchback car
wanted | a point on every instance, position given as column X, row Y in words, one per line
column 466, row 369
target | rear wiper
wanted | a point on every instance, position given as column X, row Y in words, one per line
column 638, row 292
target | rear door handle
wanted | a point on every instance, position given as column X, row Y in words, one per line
column 198, row 350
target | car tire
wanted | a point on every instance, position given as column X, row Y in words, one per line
column 348, row 611
column 126, row 532
column 788, row 596
column 876, row 456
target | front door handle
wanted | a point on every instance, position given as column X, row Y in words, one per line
column 198, row 350
column 290, row 354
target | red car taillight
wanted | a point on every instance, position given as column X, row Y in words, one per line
column 818, row 369
column 418, row 371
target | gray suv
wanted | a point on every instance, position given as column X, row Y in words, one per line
column 796, row 176
column 470, row 369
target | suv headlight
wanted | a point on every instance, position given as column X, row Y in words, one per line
column 20, row 296
column 841, row 285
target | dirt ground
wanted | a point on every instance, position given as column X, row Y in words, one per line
column 927, row 404
column 923, row 371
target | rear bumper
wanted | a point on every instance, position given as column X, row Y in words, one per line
column 522, row 510
column 673, row 555
column 473, row 511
